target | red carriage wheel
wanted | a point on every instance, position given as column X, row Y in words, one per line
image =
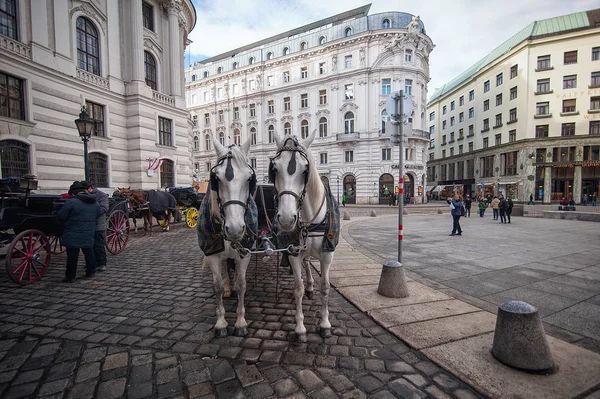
column 28, row 257
column 55, row 246
column 117, row 232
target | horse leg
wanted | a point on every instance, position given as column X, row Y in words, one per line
column 214, row 262
column 241, row 326
column 326, row 259
column 310, row 281
column 149, row 221
column 225, row 275
column 296, row 263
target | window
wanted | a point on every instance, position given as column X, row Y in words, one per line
column 570, row 82
column 220, row 70
column 304, row 100
column 461, row 100
column 150, row 70
column 286, row 77
column 471, row 131
column 96, row 113
column 164, row 131
column 348, row 61
column 444, row 110
column 541, row 131
column 323, row 158
column 236, row 113
column 148, row 16
column 513, row 93
column 472, row 95
column 323, row 97
column 431, row 130
column 207, row 119
column 461, row 117
column 98, row 169
column 193, row 78
column 323, row 127
column 432, row 116
column 595, row 80
column 567, row 129
column 253, row 136
column 460, row 150
column 543, row 86
column 451, row 137
column 287, row 128
column 443, row 125
column 234, row 66
column 499, row 79
column 8, row 20
column 408, row 55
column 569, row 105
column 252, row 108
column 498, row 99
column 196, row 142
column 167, row 173
column 304, row 72
column 349, row 156
column 542, row 108
column 595, row 53
column 207, row 142
column 208, row 166
column 451, row 121
column 270, row 80
column 287, row 104
column 347, row 31
column 385, row 24
column 543, row 62
column 386, row 154
column 88, row 48
column 384, row 118
column 205, row 74
column 286, row 50
column 570, row 57
column 514, row 71
column 237, row 137
column 408, row 87
column 486, row 86
column 349, row 122
column 471, row 112
column 206, row 98
column 452, row 106
column 12, row 98
column 271, row 131
column 304, row 128
column 386, row 86
column 498, row 120
column 322, row 40
column 221, row 116
column 470, row 147
column 250, row 60
column 512, row 115
column 269, row 55
column 594, row 127
column 509, row 163
column 452, row 165
column 591, row 153
column 222, row 138
column 15, row 158
column 486, row 105
column 322, row 68
column 595, row 103
column 498, row 139
column 512, row 136
column 349, row 91
column 461, row 134
column 443, row 156
column 220, row 92
column 486, row 142
column 271, row 106
column 486, row 124
column 235, row 88
column 444, row 142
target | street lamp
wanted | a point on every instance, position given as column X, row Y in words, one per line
column 338, row 180
column 85, row 127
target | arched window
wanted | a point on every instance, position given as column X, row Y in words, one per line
column 253, row 135
column 207, row 142
column 193, row 78
column 348, row 31
column 323, row 127
column 286, row 50
column 219, row 69
column 304, row 129
column 98, row 169
column 88, row 46
column 269, row 55
column 383, row 119
column 251, row 61
column 222, row 138
column 385, row 24
column 196, row 143
column 15, row 158
column 287, row 128
column 234, row 65
column 303, row 46
column 150, row 70
column 237, row 137
column 271, row 130
column 167, row 173
column 205, row 74
column 349, row 122
column 322, row 40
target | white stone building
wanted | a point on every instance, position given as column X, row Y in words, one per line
column 124, row 61
column 333, row 76
column 525, row 119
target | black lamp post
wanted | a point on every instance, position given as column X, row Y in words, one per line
column 85, row 126
column 338, row 180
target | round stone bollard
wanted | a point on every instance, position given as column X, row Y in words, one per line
column 439, row 211
column 346, row 216
column 392, row 282
column 373, row 214
column 519, row 338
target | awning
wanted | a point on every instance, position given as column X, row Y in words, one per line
column 428, row 188
column 508, row 182
column 438, row 188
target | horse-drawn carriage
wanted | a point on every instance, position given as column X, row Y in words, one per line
column 188, row 203
column 28, row 225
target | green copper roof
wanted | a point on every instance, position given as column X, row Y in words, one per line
column 551, row 26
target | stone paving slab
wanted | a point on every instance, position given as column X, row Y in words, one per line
column 389, row 317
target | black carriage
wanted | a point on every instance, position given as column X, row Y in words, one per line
column 188, row 203
column 28, row 225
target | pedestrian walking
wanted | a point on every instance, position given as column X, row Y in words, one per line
column 79, row 215
column 509, row 208
column 100, row 233
column 594, row 199
column 584, row 199
column 456, row 210
column 531, row 200
column 482, row 205
column 495, row 203
column 391, row 199
column 502, row 208
column 343, row 199
column 468, row 206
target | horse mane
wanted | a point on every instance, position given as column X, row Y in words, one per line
column 239, row 158
column 314, row 185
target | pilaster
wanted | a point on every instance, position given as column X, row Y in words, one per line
column 136, row 30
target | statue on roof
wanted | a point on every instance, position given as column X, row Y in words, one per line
column 414, row 28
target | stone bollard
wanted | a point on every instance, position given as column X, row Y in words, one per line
column 439, row 212
column 519, row 338
column 346, row 216
column 373, row 214
column 392, row 282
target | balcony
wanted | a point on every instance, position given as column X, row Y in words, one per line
column 163, row 98
column 15, row 46
column 92, row 79
column 347, row 137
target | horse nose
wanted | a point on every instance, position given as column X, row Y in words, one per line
column 236, row 232
column 287, row 222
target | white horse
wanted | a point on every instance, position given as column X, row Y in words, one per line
column 302, row 203
column 231, row 179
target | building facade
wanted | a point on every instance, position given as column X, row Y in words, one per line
column 332, row 76
column 123, row 60
column 524, row 120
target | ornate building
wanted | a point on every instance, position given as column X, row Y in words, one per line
column 525, row 119
column 332, row 76
column 123, row 60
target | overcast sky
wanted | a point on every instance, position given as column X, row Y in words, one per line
column 463, row 31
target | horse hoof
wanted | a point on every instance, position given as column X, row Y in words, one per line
column 241, row 332
column 221, row 332
column 226, row 294
column 309, row 294
column 302, row 338
column 325, row 332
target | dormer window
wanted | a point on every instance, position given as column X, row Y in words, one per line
column 286, row 50
column 348, row 31
column 303, row 46
column 322, row 40
column 269, row 55
column 251, row 61
column 385, row 24
column 235, row 64
column 219, row 69
column 205, row 74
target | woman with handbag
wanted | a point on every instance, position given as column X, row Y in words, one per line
column 456, row 210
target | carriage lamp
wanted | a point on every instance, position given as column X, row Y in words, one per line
column 85, row 127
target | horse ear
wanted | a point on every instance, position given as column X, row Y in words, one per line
column 218, row 146
column 308, row 141
column 246, row 146
column 278, row 139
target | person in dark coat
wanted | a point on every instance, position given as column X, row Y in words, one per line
column 79, row 215
column 509, row 208
column 456, row 214
column 100, row 234
column 502, row 209
column 468, row 206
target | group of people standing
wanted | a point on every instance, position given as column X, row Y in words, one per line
column 501, row 207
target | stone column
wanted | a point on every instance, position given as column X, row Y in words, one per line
column 547, row 184
column 136, row 30
column 175, row 40
column 577, row 185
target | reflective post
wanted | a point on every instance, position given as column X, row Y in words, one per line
column 400, row 111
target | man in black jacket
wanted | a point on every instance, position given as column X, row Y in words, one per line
column 502, row 208
column 100, row 233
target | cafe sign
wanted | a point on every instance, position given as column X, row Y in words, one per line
column 409, row 166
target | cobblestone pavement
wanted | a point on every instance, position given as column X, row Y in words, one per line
column 144, row 328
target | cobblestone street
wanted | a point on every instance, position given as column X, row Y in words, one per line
column 144, row 328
